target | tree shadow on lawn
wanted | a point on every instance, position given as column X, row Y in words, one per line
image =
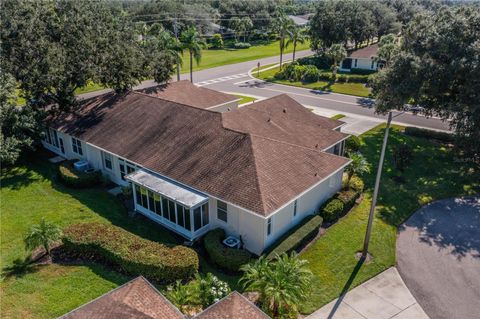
column 432, row 174
column 19, row 268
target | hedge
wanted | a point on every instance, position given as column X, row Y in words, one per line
column 228, row 258
column 242, row 45
column 69, row 176
column 133, row 254
column 362, row 71
column 301, row 234
column 356, row 184
column 348, row 198
column 333, row 209
column 430, row 134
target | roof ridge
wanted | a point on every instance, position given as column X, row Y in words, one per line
column 257, row 176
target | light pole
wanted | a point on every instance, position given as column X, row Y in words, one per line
column 375, row 190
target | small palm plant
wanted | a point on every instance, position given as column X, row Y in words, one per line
column 283, row 283
column 43, row 234
column 358, row 166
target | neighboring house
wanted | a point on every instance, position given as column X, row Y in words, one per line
column 139, row 299
column 364, row 59
column 300, row 20
column 254, row 171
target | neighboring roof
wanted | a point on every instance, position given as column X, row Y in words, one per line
column 167, row 188
column 259, row 167
column 299, row 20
column 366, row 52
column 234, row 306
column 184, row 92
column 135, row 299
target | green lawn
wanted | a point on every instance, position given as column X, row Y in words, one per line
column 338, row 116
column 29, row 193
column 433, row 174
column 245, row 99
column 357, row 89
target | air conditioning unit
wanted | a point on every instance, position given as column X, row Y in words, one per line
column 81, row 165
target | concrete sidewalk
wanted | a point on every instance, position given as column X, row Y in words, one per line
column 382, row 297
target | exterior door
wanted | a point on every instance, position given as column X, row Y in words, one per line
column 62, row 148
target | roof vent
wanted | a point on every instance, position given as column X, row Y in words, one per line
column 284, row 110
column 316, row 174
column 269, row 120
column 316, row 145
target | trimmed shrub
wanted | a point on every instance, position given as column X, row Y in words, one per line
column 133, row 254
column 242, row 45
column 348, row 198
column 332, row 210
column 320, row 61
column 327, row 76
column 280, row 75
column 355, row 78
column 353, row 144
column 430, row 134
column 216, row 41
column 310, row 74
column 342, row 78
column 362, row 71
column 69, row 176
column 229, row 258
column 298, row 236
column 356, row 184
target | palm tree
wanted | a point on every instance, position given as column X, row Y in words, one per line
column 191, row 40
column 282, row 283
column 337, row 53
column 283, row 24
column 43, row 234
column 172, row 47
column 358, row 166
column 296, row 35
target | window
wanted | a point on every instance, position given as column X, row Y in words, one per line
column 138, row 194
column 144, row 195
column 197, row 219
column 180, row 216
column 222, row 211
column 165, row 208
column 373, row 63
column 336, row 149
column 126, row 167
column 205, row 214
column 171, row 210
column 151, row 202
column 187, row 219
column 48, row 138
column 356, row 61
column 76, row 146
column 269, row 226
column 295, row 208
column 158, row 208
column 107, row 160
column 55, row 138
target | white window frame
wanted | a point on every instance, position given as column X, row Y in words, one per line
column 222, row 210
column 107, row 156
column 77, row 147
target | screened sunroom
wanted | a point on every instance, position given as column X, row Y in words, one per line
column 175, row 206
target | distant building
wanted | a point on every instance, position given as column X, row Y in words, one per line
column 364, row 59
column 300, row 20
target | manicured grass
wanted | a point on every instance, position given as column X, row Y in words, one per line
column 338, row 116
column 432, row 175
column 357, row 89
column 29, row 192
column 245, row 99
column 214, row 58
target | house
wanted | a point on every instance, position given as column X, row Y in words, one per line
column 300, row 20
column 363, row 59
column 196, row 161
column 139, row 299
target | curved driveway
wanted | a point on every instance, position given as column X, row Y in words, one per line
column 438, row 256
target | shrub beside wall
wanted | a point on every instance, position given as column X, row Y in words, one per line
column 332, row 210
column 133, row 254
column 76, row 179
column 301, row 234
column 229, row 258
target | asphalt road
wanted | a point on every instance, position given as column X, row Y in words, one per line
column 438, row 257
column 234, row 78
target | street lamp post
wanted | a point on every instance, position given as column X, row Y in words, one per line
column 375, row 190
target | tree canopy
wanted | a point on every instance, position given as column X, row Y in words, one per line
column 437, row 68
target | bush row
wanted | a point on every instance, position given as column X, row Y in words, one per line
column 242, row 45
column 310, row 73
column 229, row 258
column 322, row 62
column 133, row 254
column 76, row 179
column 297, row 237
column 341, row 203
column 430, row 134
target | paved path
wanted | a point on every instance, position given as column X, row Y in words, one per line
column 382, row 297
column 438, row 256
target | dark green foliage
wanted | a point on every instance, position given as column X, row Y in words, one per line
column 357, row 78
column 69, row 176
column 356, row 183
column 332, row 210
column 361, row 71
column 402, row 156
column 353, row 144
column 216, row 41
column 242, row 45
column 132, row 254
column 310, row 74
column 228, row 258
column 342, row 78
column 322, row 62
column 328, row 76
column 430, row 134
column 297, row 237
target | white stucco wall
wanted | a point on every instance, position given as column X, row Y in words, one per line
column 362, row 63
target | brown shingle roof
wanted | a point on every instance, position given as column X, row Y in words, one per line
column 234, row 306
column 259, row 168
column 184, row 92
column 365, row 53
column 135, row 299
